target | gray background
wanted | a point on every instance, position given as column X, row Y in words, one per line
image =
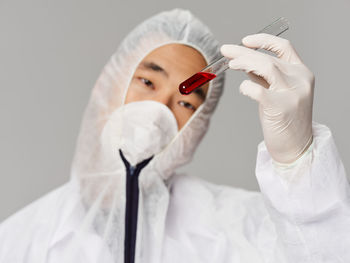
column 51, row 53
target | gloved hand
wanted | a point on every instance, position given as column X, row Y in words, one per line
column 283, row 86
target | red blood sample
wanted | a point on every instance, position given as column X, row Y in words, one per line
column 195, row 81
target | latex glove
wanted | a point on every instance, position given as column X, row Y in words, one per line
column 283, row 86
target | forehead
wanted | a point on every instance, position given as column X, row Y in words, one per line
column 178, row 58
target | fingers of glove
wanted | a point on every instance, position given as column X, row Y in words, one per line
column 259, row 65
column 260, row 80
column 280, row 46
column 234, row 51
column 253, row 90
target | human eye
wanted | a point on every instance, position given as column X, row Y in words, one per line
column 187, row 105
column 147, row 82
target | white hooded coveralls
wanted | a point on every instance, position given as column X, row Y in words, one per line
column 125, row 203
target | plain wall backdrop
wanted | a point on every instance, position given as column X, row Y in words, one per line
column 51, row 53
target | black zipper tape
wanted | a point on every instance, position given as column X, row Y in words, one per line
column 131, row 207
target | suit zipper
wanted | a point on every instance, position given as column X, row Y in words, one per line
column 131, row 206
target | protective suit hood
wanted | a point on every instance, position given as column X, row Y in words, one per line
column 176, row 26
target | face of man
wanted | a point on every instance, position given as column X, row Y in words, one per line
column 159, row 74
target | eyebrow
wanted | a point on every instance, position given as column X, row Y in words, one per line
column 155, row 67
column 200, row 93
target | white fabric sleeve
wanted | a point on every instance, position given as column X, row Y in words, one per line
column 309, row 201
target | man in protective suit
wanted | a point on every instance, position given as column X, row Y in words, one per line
column 124, row 201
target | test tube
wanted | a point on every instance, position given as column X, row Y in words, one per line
column 221, row 64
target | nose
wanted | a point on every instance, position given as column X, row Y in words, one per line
column 163, row 97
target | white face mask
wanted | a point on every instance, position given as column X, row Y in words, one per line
column 140, row 129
